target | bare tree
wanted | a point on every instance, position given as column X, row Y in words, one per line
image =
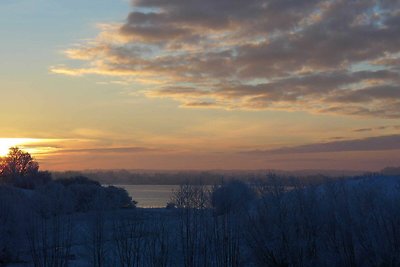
column 157, row 241
column 128, row 234
column 192, row 201
column 97, row 239
column 50, row 240
column 226, row 240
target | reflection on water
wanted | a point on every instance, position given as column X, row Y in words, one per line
column 150, row 196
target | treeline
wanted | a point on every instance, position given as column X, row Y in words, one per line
column 350, row 222
column 125, row 177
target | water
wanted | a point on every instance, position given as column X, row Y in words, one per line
column 150, row 196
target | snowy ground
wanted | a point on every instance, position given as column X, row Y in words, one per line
column 352, row 222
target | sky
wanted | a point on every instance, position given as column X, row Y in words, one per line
column 211, row 84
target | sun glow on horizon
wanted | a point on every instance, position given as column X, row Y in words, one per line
column 31, row 145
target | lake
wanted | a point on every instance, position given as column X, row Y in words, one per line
column 150, row 196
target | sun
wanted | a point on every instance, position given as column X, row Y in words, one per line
column 6, row 143
column 34, row 146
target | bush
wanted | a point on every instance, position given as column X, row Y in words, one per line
column 81, row 194
column 232, row 196
column 118, row 197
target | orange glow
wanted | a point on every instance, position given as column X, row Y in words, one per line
column 31, row 145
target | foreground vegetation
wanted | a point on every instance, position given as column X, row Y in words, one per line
column 77, row 222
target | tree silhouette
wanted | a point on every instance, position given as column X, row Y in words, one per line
column 18, row 168
column 18, row 163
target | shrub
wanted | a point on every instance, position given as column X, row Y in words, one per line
column 232, row 196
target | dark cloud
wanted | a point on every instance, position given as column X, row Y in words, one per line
column 368, row 94
column 377, row 128
column 203, row 104
column 389, row 142
column 332, row 56
column 363, row 130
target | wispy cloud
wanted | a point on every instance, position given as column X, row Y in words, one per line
column 321, row 56
column 389, row 142
column 113, row 150
column 378, row 128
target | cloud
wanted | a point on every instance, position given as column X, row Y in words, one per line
column 337, row 138
column 364, row 130
column 386, row 127
column 378, row 128
column 202, row 104
column 113, row 150
column 321, row 56
column 389, row 142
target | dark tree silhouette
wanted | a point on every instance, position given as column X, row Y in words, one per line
column 19, row 168
column 18, row 163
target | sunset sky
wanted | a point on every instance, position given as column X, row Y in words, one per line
column 202, row 84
